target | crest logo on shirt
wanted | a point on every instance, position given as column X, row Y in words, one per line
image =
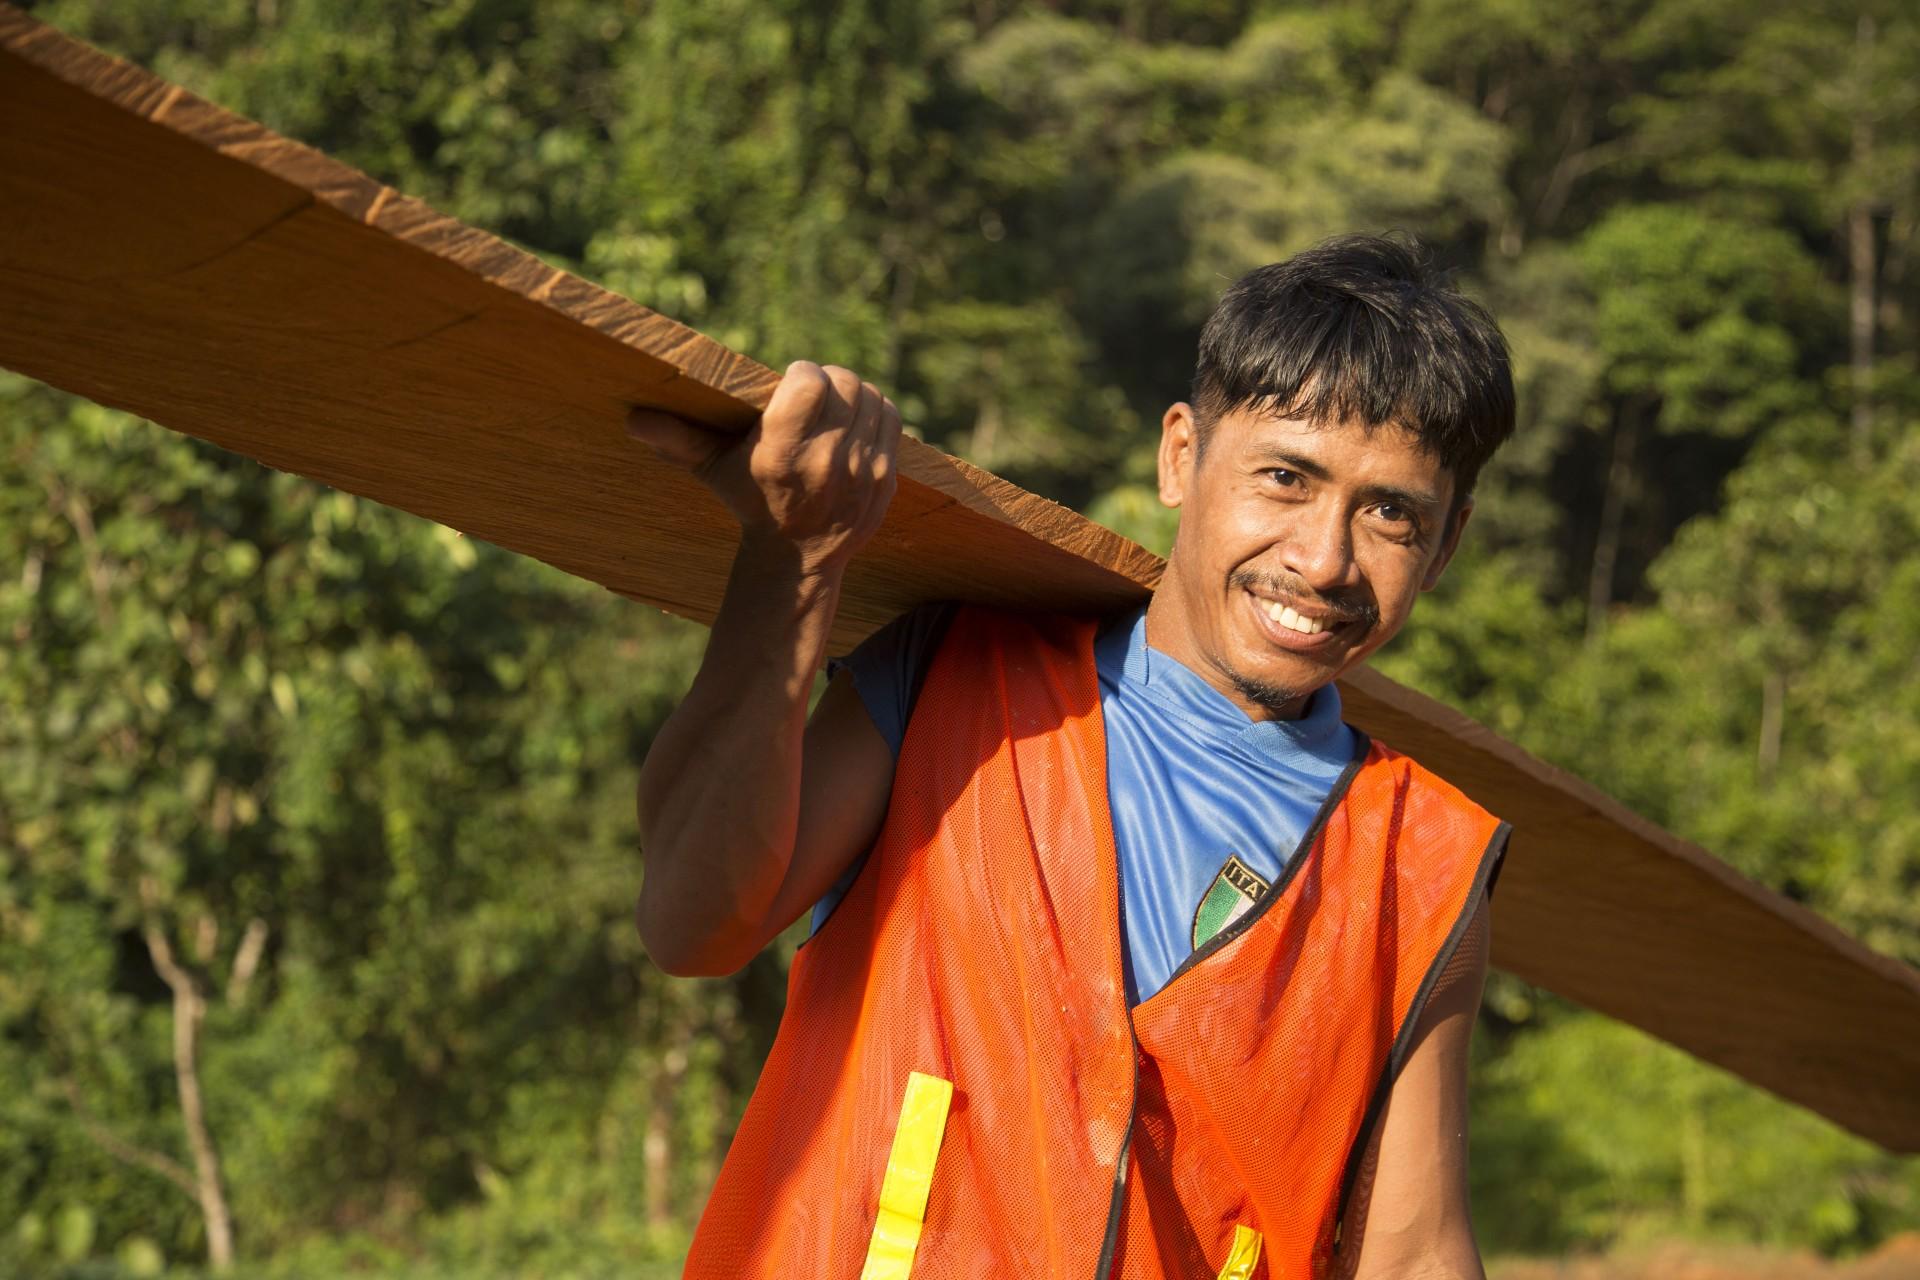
column 1232, row 894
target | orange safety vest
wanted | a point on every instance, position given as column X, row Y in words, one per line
column 981, row 945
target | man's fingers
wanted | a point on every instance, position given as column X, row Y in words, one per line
column 798, row 402
column 675, row 439
column 843, row 405
column 817, row 467
column 886, row 447
column 864, row 430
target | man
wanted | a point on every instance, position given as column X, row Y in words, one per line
column 1199, row 962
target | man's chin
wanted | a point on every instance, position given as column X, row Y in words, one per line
column 1283, row 702
column 1297, row 673
column 1280, row 683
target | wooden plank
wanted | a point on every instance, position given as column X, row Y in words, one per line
column 1604, row 907
column 166, row 257
column 169, row 258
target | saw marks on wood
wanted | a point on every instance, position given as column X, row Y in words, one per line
column 166, row 257
column 169, row 258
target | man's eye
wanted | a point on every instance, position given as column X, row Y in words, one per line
column 1404, row 523
column 1282, row 476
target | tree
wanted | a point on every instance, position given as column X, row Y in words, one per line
column 1811, row 121
column 1696, row 319
column 294, row 752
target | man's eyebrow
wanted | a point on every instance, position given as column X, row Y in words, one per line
column 1425, row 503
column 1417, row 500
column 1273, row 455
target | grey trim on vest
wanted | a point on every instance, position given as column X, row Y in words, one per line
column 1490, row 861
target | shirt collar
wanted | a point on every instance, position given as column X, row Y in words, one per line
column 1319, row 739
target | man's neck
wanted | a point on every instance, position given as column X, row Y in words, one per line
column 1169, row 633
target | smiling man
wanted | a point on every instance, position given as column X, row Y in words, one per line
column 1129, row 957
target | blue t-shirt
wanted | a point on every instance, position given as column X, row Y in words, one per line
column 1209, row 807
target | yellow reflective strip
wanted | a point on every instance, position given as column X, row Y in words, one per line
column 1244, row 1256
column 903, row 1192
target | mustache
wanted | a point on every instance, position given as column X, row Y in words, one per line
column 1342, row 606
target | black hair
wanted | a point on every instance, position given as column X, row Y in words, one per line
column 1361, row 328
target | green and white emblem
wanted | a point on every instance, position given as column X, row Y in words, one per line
column 1233, row 893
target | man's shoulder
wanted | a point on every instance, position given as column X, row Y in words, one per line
column 1419, row 786
column 920, row 628
column 1051, row 624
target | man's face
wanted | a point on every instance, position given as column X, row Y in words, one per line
column 1302, row 549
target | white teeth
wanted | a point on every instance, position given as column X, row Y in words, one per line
column 1286, row 617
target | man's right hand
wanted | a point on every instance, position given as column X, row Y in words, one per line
column 816, row 471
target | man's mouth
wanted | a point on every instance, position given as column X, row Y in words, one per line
column 1284, row 615
column 1288, row 626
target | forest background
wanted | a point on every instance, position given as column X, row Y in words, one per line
column 316, row 818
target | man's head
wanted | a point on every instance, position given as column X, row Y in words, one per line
column 1344, row 403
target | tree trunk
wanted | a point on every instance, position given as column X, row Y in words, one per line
column 706, row 1165
column 656, row 1148
column 904, row 278
column 1576, row 123
column 189, row 1010
column 1613, row 511
column 1860, row 262
column 1695, row 1177
column 983, row 446
column 1773, row 703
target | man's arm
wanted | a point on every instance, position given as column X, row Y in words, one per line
column 748, row 812
column 1408, row 1218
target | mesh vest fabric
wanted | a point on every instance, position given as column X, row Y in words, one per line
column 981, row 945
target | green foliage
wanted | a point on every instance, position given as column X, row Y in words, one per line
column 369, row 783
column 1692, row 315
column 1590, row 1134
column 360, row 776
column 1784, row 644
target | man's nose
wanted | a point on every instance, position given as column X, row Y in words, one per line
column 1319, row 547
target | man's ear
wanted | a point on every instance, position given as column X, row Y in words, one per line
column 1179, row 450
column 1449, row 543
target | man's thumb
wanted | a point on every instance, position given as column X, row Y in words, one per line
column 675, row 439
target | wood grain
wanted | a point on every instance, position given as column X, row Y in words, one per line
column 167, row 257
